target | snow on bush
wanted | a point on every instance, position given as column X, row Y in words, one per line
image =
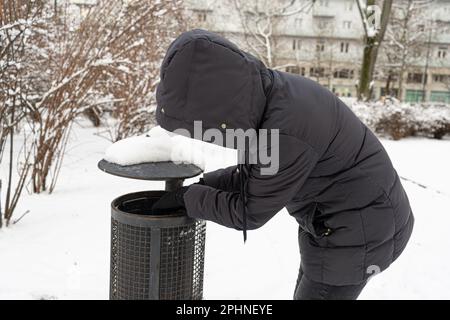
column 399, row 120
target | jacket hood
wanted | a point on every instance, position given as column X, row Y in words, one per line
column 205, row 77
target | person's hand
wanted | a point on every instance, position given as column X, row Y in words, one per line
column 171, row 201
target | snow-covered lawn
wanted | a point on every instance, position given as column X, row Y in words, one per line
column 60, row 250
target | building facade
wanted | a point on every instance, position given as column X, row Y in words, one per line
column 324, row 43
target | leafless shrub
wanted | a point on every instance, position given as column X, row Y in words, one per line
column 73, row 62
column 111, row 59
column 141, row 36
column 55, row 68
column 18, row 18
column 396, row 124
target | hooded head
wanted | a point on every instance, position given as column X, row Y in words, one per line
column 205, row 77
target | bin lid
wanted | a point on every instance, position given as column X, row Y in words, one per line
column 166, row 170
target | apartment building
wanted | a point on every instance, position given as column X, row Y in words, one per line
column 324, row 43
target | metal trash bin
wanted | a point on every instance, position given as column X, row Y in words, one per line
column 154, row 256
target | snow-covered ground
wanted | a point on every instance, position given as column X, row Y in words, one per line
column 60, row 250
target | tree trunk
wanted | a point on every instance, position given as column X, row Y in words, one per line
column 8, row 206
column 1, row 212
column 372, row 43
column 387, row 88
column 401, row 81
column 405, row 50
column 367, row 69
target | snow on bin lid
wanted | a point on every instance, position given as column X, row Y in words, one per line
column 151, row 170
column 158, row 155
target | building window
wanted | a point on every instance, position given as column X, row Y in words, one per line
column 201, row 15
column 347, row 24
column 344, row 74
column 416, row 78
column 320, row 46
column 322, row 24
column 317, row 72
column 296, row 70
column 393, row 76
column 296, row 44
column 293, row 69
column 442, row 52
column 344, row 47
column 393, row 92
column 442, row 78
column 298, row 22
column 440, row 96
column 324, row 3
column 414, row 96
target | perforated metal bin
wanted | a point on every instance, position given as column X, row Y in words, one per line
column 154, row 257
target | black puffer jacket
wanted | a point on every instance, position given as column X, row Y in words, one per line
column 334, row 175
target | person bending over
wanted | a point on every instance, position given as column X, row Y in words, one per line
column 333, row 176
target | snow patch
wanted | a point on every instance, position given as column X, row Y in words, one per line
column 61, row 249
column 156, row 146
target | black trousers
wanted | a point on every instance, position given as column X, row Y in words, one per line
column 307, row 289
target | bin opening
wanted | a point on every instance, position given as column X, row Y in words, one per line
column 143, row 206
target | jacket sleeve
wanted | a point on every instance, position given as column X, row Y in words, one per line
column 266, row 194
column 224, row 179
